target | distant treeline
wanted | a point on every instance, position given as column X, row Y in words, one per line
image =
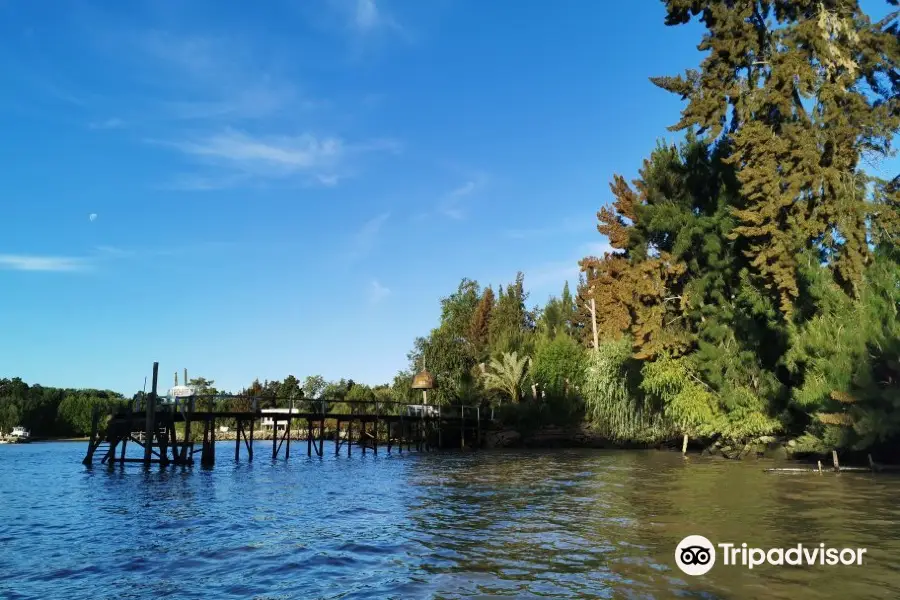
column 49, row 411
column 57, row 412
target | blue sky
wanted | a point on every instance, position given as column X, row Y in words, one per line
column 290, row 189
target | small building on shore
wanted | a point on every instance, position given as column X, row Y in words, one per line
column 269, row 416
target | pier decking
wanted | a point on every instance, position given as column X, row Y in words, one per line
column 151, row 424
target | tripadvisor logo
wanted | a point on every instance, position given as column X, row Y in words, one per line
column 696, row 555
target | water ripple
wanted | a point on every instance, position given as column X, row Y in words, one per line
column 561, row 524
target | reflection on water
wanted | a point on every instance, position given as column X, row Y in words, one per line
column 517, row 524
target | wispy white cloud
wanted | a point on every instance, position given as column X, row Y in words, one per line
column 328, row 180
column 280, row 154
column 207, row 77
column 238, row 157
column 378, row 292
column 369, row 16
column 453, row 203
column 113, row 251
column 30, row 262
column 366, row 237
column 203, row 183
column 108, row 252
column 111, row 123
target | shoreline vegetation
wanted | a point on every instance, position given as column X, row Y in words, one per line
column 750, row 295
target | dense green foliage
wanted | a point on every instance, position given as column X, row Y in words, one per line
column 754, row 285
column 47, row 411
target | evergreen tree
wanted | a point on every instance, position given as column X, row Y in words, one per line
column 801, row 90
column 479, row 334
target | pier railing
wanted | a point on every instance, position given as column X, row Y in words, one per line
column 327, row 407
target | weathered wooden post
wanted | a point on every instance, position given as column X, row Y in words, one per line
column 349, row 435
column 337, row 437
column 462, row 428
column 239, row 426
column 287, row 450
column 362, row 434
column 212, row 436
column 322, row 431
column 250, row 444
column 150, row 416
column 129, row 420
column 92, row 444
column 274, row 437
column 837, row 466
column 187, row 424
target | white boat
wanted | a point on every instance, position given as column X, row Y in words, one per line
column 20, row 434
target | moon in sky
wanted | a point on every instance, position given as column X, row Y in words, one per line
column 93, row 217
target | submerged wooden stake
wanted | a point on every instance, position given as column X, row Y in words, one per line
column 837, row 466
column 820, row 466
column 684, row 444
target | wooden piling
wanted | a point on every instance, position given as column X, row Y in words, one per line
column 337, row 438
column 837, row 466
column 92, row 444
column 871, row 462
column 206, row 457
column 237, row 440
column 250, row 444
column 150, row 420
column 274, row 438
column 187, row 428
column 462, row 427
column 309, row 437
column 212, row 441
column 684, row 444
column 287, row 448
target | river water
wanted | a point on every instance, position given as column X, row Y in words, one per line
column 492, row 524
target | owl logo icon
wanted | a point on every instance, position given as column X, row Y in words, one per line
column 695, row 555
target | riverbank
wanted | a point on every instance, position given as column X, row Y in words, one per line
column 766, row 447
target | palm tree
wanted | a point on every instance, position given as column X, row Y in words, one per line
column 507, row 374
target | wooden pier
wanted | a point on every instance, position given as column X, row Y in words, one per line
column 153, row 424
